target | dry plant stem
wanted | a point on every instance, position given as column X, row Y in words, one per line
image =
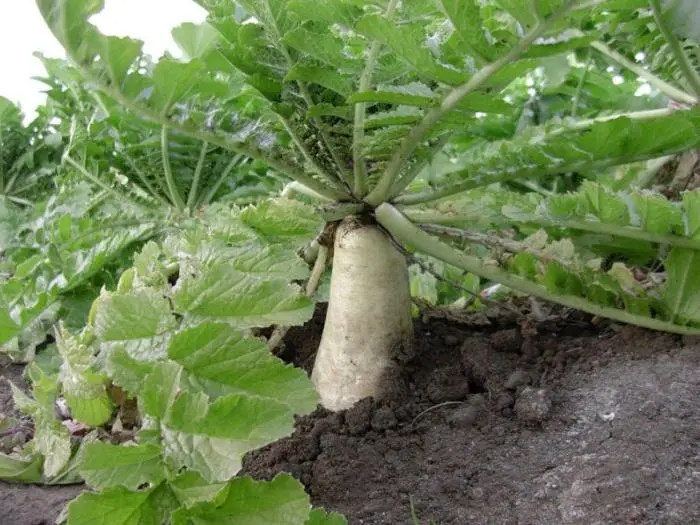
column 434, row 407
column 368, row 320
column 663, row 86
column 493, row 241
column 311, row 287
column 408, row 233
column 381, row 191
column 689, row 72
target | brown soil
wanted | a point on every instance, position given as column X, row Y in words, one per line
column 502, row 420
column 506, row 421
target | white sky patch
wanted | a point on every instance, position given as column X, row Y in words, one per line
column 618, row 79
column 23, row 32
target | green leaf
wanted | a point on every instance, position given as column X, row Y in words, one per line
column 283, row 221
column 125, row 371
column 195, row 40
column 319, row 517
column 407, row 42
column 329, row 12
column 139, row 322
column 212, row 438
column 226, row 362
column 160, row 389
column 323, row 76
column 272, row 262
column 281, row 501
column 23, row 470
column 8, row 327
column 51, row 440
column 681, row 296
column 84, row 390
column 190, row 488
column 119, row 55
column 224, row 294
column 119, row 506
column 542, row 151
column 393, row 97
column 103, row 465
column 322, row 46
column 465, row 16
column 526, row 14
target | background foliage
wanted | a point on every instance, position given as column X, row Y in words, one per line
column 145, row 248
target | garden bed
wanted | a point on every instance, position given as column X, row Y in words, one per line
column 500, row 419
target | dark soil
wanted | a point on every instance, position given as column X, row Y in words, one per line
column 501, row 420
column 508, row 421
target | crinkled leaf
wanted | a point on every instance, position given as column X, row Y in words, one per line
column 190, row 488
column 225, row 362
column 52, row 440
column 407, row 42
column 283, row 221
column 125, row 371
column 211, row 438
column 118, row 506
column 195, row 40
column 139, row 322
column 603, row 144
column 281, row 501
column 24, row 470
column 160, row 389
column 104, row 465
column 223, row 294
column 84, row 390
column 465, row 16
column 682, row 293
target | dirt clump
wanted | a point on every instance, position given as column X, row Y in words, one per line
column 511, row 421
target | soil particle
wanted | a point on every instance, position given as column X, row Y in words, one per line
column 445, row 385
column 516, row 379
column 534, row 405
column 464, row 417
column 558, row 422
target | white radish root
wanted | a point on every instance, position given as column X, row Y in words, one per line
column 368, row 320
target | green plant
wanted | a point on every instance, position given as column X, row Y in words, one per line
column 396, row 118
column 29, row 155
